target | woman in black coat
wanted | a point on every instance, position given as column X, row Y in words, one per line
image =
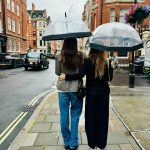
column 98, row 72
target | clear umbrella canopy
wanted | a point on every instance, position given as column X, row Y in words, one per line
column 66, row 28
column 115, row 36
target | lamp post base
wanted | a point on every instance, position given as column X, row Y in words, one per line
column 131, row 80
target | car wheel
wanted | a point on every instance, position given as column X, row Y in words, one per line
column 26, row 68
column 14, row 65
column 47, row 66
column 41, row 66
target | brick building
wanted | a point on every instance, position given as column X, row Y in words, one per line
column 104, row 11
column 37, row 22
column 16, row 26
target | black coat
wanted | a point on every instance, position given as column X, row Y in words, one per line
column 97, row 103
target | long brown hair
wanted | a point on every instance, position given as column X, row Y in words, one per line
column 71, row 59
column 99, row 60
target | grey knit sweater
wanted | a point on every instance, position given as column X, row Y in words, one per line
column 64, row 86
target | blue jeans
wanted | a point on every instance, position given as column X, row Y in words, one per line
column 68, row 101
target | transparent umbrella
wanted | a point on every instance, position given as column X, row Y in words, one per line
column 66, row 28
column 116, row 36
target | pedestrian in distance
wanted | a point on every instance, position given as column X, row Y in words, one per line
column 115, row 62
column 69, row 61
column 98, row 73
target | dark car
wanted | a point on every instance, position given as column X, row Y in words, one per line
column 10, row 60
column 138, row 64
column 52, row 56
column 36, row 60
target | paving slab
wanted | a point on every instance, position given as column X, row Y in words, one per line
column 30, row 139
column 41, row 127
column 40, row 118
column 52, row 118
column 32, row 148
column 144, row 139
column 117, row 138
column 46, row 139
column 112, row 147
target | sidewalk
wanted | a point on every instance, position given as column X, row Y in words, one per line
column 42, row 131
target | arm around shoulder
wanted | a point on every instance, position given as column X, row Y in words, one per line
column 58, row 64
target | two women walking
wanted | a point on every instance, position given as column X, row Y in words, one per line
column 98, row 72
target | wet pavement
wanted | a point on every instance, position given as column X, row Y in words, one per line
column 121, row 78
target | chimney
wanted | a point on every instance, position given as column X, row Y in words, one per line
column 33, row 6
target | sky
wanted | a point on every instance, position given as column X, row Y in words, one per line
column 56, row 8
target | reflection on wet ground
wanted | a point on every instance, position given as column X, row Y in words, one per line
column 121, row 78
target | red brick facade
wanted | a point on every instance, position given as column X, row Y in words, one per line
column 104, row 11
column 32, row 31
column 16, row 25
column 101, row 11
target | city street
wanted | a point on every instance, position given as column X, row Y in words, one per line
column 17, row 89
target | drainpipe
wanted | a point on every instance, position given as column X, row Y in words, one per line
column 4, row 25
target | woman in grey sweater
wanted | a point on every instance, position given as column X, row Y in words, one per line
column 69, row 61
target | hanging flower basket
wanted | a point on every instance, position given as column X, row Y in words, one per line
column 137, row 13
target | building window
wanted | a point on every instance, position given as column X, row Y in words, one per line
column 44, row 43
column 9, row 23
column 13, row 45
column 40, row 42
column 40, row 33
column 34, row 24
column 18, row 10
column 44, row 25
column 40, row 16
column 19, row 47
column 18, row 27
column 12, row 6
column 13, row 25
column 34, row 33
column 40, row 24
column 8, row 4
column 34, row 16
column 9, row 44
column 34, row 42
column 122, row 15
column 112, row 15
column 94, row 21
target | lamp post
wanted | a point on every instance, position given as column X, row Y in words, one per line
column 132, row 69
column 4, row 26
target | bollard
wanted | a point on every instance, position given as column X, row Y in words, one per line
column 131, row 80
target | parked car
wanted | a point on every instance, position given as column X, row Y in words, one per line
column 138, row 64
column 52, row 56
column 36, row 60
column 10, row 60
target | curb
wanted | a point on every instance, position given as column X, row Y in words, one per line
column 23, row 133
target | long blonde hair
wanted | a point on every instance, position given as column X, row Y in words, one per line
column 99, row 60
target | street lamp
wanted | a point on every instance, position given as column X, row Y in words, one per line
column 132, row 69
